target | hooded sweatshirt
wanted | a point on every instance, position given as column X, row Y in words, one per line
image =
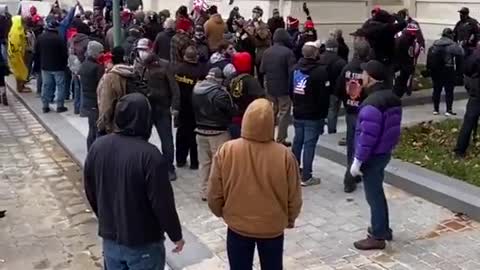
column 255, row 183
column 214, row 29
column 277, row 63
column 450, row 50
column 111, row 88
column 126, row 181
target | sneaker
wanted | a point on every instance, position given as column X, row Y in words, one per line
column 369, row 244
column 389, row 236
column 181, row 164
column 450, row 113
column 204, row 199
column 172, row 176
column 342, row 142
column 311, row 182
column 62, row 109
column 46, row 110
column 194, row 167
column 349, row 188
column 436, row 113
column 77, row 112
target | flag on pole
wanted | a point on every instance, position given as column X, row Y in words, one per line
column 200, row 5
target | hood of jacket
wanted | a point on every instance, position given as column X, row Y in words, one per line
column 306, row 64
column 133, row 116
column 80, row 38
column 281, row 36
column 444, row 41
column 206, row 86
column 259, row 114
column 217, row 18
column 217, row 57
column 123, row 70
column 3, row 10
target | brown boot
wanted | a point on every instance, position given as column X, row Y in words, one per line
column 21, row 87
column 369, row 244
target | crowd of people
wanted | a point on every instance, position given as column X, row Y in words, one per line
column 225, row 86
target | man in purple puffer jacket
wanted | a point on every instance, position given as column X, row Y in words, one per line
column 377, row 134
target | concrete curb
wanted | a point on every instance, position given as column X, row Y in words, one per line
column 440, row 189
column 74, row 143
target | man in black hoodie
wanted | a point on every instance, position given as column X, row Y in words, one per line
column 126, row 183
column 277, row 63
column 349, row 90
column 309, row 89
column 161, row 46
column 334, row 64
column 276, row 22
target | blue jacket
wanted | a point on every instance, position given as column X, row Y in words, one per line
column 378, row 124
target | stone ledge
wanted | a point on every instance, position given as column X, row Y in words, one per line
column 448, row 192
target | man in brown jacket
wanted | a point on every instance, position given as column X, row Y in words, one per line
column 111, row 88
column 255, row 187
column 214, row 29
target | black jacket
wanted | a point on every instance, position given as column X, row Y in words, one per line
column 162, row 88
column 380, row 33
column 126, row 180
column 405, row 51
column 471, row 70
column 334, row 64
column 467, row 32
column 161, row 46
column 213, row 106
column 90, row 74
column 53, row 51
column 244, row 89
column 275, row 23
column 187, row 75
column 277, row 63
column 308, row 83
column 343, row 49
column 151, row 30
column 349, row 87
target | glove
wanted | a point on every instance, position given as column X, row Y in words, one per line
column 355, row 169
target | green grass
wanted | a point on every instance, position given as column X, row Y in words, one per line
column 419, row 82
column 431, row 145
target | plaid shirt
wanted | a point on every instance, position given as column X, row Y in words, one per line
column 178, row 45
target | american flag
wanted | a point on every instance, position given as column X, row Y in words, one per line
column 200, row 5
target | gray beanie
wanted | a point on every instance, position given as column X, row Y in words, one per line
column 94, row 49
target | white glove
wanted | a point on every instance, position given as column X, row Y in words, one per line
column 355, row 169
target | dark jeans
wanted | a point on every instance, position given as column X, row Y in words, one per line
column 332, row 118
column 373, row 176
column 351, row 121
column 148, row 257
column 68, row 83
column 439, row 84
column 241, row 250
column 39, row 83
column 52, row 80
column 306, row 137
column 235, row 131
column 162, row 120
column 92, row 116
column 470, row 121
column 76, row 89
column 186, row 143
column 402, row 86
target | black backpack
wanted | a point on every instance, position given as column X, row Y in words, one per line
column 436, row 57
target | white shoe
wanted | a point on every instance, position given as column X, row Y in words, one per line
column 450, row 113
column 436, row 113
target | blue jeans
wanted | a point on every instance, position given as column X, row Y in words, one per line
column 373, row 176
column 76, row 89
column 52, row 80
column 332, row 117
column 235, row 131
column 92, row 116
column 306, row 138
column 119, row 257
column 241, row 249
column 162, row 120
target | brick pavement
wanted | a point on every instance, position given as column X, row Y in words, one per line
column 49, row 227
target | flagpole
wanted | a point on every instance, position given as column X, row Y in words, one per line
column 117, row 34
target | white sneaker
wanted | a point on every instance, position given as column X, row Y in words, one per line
column 436, row 113
column 450, row 113
column 311, row 182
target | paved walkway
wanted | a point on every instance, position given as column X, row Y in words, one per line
column 427, row 236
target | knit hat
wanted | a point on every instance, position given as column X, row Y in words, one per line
column 164, row 13
column 292, row 22
column 242, row 62
column 215, row 73
column 309, row 24
column 191, row 55
column 374, row 69
column 143, row 44
column 259, row 10
column 331, row 44
column 183, row 24
column 276, row 11
column 94, row 49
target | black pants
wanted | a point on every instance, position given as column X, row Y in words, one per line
column 186, row 142
column 92, row 127
column 401, row 86
column 241, row 250
column 470, row 121
column 439, row 84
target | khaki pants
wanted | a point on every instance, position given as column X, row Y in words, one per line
column 282, row 107
column 207, row 148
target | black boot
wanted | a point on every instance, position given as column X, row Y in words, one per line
column 3, row 98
